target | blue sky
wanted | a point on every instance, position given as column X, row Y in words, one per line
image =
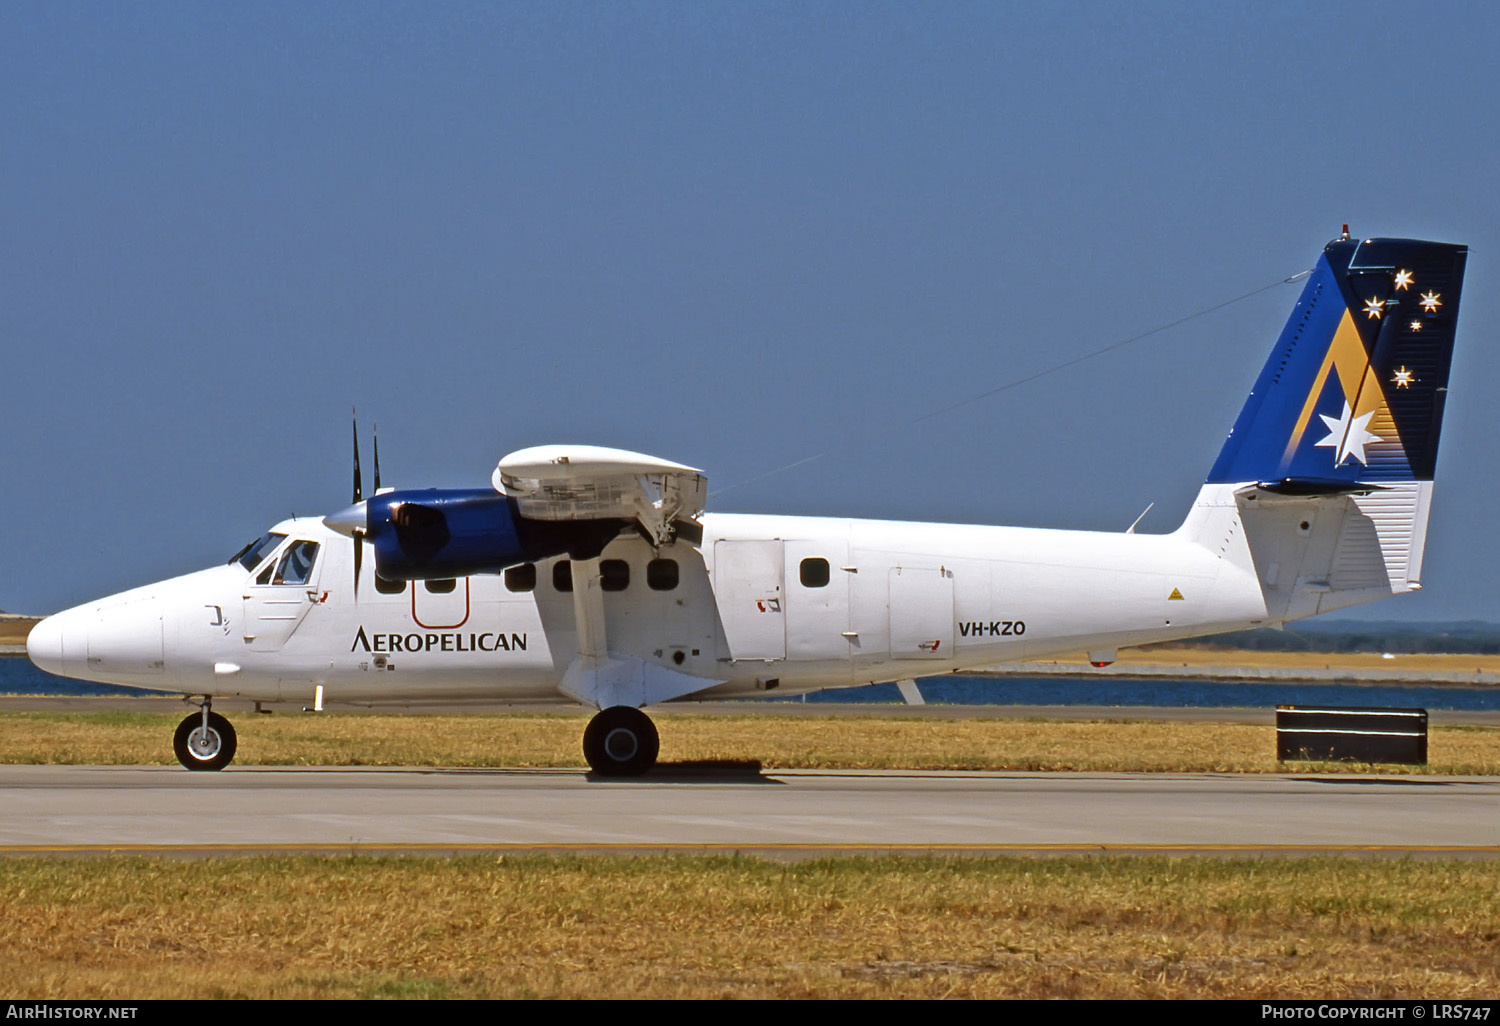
column 732, row 235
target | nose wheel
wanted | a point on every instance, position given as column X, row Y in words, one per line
column 204, row 741
column 621, row 742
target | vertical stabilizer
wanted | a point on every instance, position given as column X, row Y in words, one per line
column 1354, row 390
column 1324, row 484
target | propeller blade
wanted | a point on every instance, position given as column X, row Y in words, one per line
column 359, row 491
column 359, row 558
column 375, row 434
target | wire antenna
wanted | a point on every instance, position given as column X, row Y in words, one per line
column 1018, row 382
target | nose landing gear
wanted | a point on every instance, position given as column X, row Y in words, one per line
column 204, row 741
column 621, row 742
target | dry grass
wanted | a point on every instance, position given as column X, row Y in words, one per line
column 786, row 742
column 123, row 928
column 13, row 629
column 1203, row 655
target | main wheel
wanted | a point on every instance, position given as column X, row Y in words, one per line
column 621, row 742
column 198, row 748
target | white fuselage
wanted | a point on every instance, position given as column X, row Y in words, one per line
column 763, row 603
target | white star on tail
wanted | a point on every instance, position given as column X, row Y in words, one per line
column 1346, row 438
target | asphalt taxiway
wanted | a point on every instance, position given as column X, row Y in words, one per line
column 59, row 809
column 69, row 809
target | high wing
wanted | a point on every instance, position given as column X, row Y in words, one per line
column 591, row 482
column 572, row 483
column 546, row 501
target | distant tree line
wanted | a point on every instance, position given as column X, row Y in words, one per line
column 1469, row 636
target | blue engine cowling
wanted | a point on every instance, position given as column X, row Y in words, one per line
column 436, row 533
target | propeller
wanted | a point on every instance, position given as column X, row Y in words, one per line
column 352, row 521
column 421, row 530
column 358, row 533
column 359, row 491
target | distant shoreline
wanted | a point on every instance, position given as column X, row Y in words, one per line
column 13, row 631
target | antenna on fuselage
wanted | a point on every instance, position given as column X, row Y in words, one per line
column 1132, row 527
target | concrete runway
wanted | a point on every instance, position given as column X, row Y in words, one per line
column 802, row 812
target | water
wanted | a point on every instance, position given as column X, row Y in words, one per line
column 1166, row 693
column 18, row 676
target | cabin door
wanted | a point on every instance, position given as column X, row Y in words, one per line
column 817, row 587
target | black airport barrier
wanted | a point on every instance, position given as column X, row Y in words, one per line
column 1352, row 734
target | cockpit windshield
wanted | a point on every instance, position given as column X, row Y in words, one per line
column 250, row 556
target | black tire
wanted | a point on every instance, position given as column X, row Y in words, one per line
column 197, row 752
column 621, row 742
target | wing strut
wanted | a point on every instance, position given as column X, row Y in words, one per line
column 602, row 679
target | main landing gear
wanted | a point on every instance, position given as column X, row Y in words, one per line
column 204, row 741
column 620, row 742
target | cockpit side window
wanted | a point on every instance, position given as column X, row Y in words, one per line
column 296, row 565
column 250, row 556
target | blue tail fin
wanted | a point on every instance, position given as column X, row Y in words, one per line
column 1354, row 390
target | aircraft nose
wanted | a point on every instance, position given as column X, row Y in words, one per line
column 101, row 641
column 49, row 644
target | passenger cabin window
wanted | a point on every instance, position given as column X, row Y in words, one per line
column 441, row 586
column 296, row 566
column 562, row 575
column 386, row 587
column 614, row 575
column 521, row 578
column 661, row 574
column 814, row 573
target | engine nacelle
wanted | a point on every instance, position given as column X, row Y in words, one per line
column 436, row 533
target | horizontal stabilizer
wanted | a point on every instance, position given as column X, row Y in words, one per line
column 1313, row 486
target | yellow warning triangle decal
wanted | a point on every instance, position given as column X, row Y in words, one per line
column 1177, row 595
